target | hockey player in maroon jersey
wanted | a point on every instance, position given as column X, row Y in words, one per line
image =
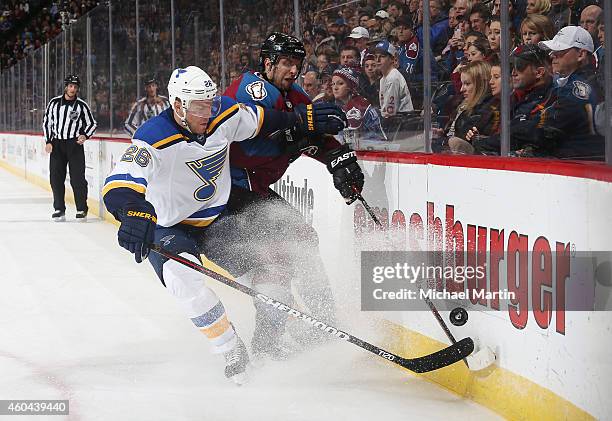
column 291, row 244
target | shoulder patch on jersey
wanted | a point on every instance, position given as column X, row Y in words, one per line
column 581, row 90
column 216, row 107
column 74, row 115
column 353, row 114
column 257, row 90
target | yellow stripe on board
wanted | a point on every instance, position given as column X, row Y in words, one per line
column 508, row 394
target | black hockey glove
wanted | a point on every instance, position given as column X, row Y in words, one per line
column 137, row 227
column 347, row 175
column 320, row 118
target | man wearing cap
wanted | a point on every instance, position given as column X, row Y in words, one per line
column 576, row 86
column 394, row 94
column 146, row 107
column 360, row 37
column 546, row 120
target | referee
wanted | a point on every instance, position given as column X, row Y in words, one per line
column 145, row 108
column 67, row 124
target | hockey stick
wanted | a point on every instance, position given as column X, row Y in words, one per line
column 477, row 361
column 367, row 207
column 434, row 361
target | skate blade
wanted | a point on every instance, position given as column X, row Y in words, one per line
column 81, row 219
column 59, row 219
column 240, row 378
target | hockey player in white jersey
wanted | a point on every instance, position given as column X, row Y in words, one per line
column 174, row 180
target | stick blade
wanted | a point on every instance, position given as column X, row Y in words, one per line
column 481, row 359
column 440, row 359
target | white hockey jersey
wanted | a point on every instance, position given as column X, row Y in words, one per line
column 185, row 180
column 394, row 94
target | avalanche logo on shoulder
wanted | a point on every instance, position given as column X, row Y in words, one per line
column 257, row 90
column 581, row 90
column 353, row 114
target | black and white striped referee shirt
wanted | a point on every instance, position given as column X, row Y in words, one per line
column 67, row 119
column 143, row 110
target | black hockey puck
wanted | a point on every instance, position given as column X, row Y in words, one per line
column 458, row 316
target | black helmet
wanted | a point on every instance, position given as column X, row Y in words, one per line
column 277, row 45
column 72, row 79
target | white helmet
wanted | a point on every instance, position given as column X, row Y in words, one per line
column 190, row 84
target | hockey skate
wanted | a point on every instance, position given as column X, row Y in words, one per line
column 236, row 360
column 59, row 216
column 264, row 347
column 81, row 216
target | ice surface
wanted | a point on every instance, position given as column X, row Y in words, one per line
column 80, row 320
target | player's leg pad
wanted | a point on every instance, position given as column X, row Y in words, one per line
column 270, row 322
column 200, row 303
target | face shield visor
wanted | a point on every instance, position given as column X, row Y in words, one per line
column 200, row 108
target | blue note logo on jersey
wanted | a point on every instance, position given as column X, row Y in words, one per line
column 257, row 90
column 208, row 169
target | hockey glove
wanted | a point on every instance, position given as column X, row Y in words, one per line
column 319, row 118
column 347, row 175
column 137, row 227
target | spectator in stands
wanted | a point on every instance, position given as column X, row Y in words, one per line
column 311, row 84
column 370, row 68
column 439, row 28
column 496, row 78
column 350, row 55
column 409, row 49
column 560, row 14
column 479, row 108
column 394, row 94
column 363, row 119
column 541, row 7
column 536, row 28
column 479, row 50
column 463, row 7
column 322, row 62
column 479, row 18
column 394, row 9
column 600, row 112
column 494, row 34
column 589, row 19
column 364, row 17
column 327, row 94
column 533, row 93
column 552, row 119
column 360, row 38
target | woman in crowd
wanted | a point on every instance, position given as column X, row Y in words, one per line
column 364, row 122
column 494, row 34
column 479, row 108
column 536, row 28
column 541, row 7
column 480, row 50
